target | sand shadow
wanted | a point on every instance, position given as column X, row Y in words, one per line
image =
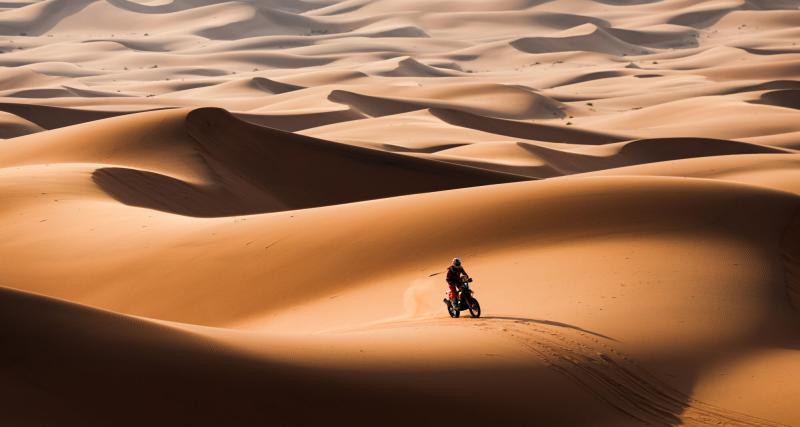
column 152, row 190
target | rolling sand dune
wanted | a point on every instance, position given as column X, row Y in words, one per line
column 47, row 117
column 13, row 125
column 239, row 213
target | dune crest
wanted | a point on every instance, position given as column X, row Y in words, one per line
column 256, row 170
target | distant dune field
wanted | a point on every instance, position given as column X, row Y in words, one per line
column 239, row 213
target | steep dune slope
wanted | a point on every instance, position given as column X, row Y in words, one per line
column 48, row 117
column 780, row 172
column 514, row 236
column 12, row 126
column 278, row 161
column 206, row 162
column 170, row 370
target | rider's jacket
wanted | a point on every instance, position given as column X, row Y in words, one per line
column 454, row 274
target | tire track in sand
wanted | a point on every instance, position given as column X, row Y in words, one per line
column 590, row 360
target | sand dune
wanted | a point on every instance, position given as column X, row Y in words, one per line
column 301, row 121
column 586, row 37
column 773, row 171
column 788, row 98
column 409, row 67
column 524, row 130
column 518, row 102
column 238, row 386
column 268, row 159
column 547, row 162
column 257, row 174
column 238, row 213
column 13, row 125
column 653, row 206
column 49, row 117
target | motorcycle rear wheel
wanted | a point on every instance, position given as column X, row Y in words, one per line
column 474, row 307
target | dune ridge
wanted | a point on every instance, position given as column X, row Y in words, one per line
column 267, row 170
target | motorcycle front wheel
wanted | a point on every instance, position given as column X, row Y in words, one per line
column 452, row 311
column 474, row 307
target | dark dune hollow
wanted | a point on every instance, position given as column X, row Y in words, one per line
column 525, row 130
column 132, row 372
column 296, row 122
column 641, row 152
column 50, row 117
column 787, row 98
column 258, row 169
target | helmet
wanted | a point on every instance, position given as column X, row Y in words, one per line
column 457, row 261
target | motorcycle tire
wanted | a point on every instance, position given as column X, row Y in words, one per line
column 474, row 307
column 453, row 312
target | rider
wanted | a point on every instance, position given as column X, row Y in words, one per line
column 454, row 276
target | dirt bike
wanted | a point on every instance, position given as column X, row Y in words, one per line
column 465, row 301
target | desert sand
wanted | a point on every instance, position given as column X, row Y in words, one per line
column 239, row 213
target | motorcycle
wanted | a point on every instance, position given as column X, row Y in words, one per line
column 465, row 301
